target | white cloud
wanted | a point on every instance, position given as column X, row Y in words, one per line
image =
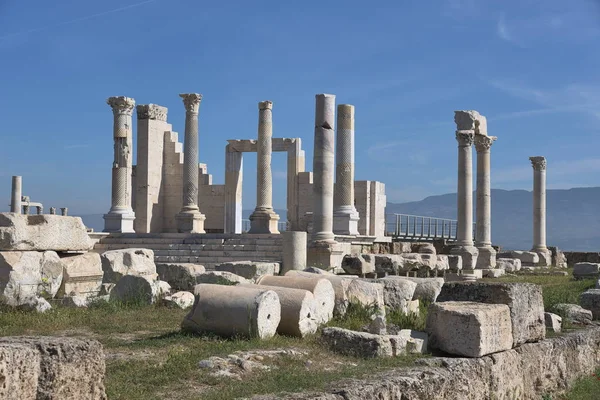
column 502, row 30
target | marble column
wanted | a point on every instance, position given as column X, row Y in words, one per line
column 465, row 136
column 234, row 164
column 483, row 234
column 345, row 216
column 120, row 218
column 15, row 194
column 264, row 219
column 539, row 210
column 323, row 167
column 190, row 219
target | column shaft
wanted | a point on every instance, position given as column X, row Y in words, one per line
column 539, row 203
column 233, row 190
column 323, row 169
column 264, row 219
column 15, row 194
column 121, row 216
column 345, row 219
column 483, row 234
column 190, row 220
column 464, row 229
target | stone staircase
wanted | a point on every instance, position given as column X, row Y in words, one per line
column 206, row 249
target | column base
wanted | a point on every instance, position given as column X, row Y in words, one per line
column 345, row 223
column 326, row 255
column 264, row 221
column 545, row 257
column 471, row 275
column 119, row 223
column 190, row 222
column 486, row 258
column 469, row 256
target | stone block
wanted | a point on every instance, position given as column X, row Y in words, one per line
column 586, row 270
column 559, row 260
column 553, row 322
column 82, row 275
column 386, row 263
column 468, row 254
column 180, row 276
column 416, row 342
column 454, row 262
column 427, row 289
column 142, row 289
column 397, row 293
column 366, row 293
column 493, row 273
column 524, row 300
column 590, row 300
column 249, row 269
column 118, row 263
column 508, row 264
column 401, row 247
column 526, row 257
column 221, row 278
column 359, row 264
column 469, row 329
column 42, row 233
column 25, row 275
column 357, row 344
column 49, row 367
column 423, row 248
column 181, row 300
column 573, row 313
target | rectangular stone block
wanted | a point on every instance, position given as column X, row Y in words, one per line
column 524, row 300
column 469, row 329
column 82, row 275
column 19, row 371
column 590, row 300
column 586, row 270
column 249, row 269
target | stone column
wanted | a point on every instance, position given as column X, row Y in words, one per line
column 465, row 136
column 483, row 234
column 323, row 167
column 233, row 189
column 15, row 194
column 264, row 219
column 539, row 210
column 64, row 211
column 190, row 219
column 52, row 210
column 345, row 216
column 121, row 216
column 294, row 251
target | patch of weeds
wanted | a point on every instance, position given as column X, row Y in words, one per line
column 586, row 388
column 414, row 321
column 357, row 316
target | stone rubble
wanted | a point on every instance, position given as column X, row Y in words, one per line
column 119, row 263
column 573, row 313
column 590, row 300
column 553, row 322
column 180, row 276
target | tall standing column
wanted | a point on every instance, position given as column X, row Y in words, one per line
column 264, row 219
column 233, row 189
column 345, row 216
column 121, row 216
column 483, row 235
column 15, row 194
column 539, row 210
column 323, row 167
column 190, row 219
column 465, row 136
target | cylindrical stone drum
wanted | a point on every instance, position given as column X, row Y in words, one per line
column 294, row 251
column 320, row 288
column 298, row 310
column 234, row 311
column 339, row 284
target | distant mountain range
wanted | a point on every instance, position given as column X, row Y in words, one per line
column 573, row 217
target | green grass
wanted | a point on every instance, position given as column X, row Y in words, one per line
column 586, row 388
column 148, row 357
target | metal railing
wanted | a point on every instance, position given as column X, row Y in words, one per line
column 281, row 225
column 406, row 226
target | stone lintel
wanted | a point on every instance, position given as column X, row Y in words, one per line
column 152, row 112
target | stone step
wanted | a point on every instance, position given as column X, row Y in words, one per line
column 161, row 248
column 210, row 260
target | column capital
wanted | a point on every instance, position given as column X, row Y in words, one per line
column 538, row 163
column 152, row 111
column 465, row 138
column 345, row 116
column 121, row 105
column 191, row 101
column 483, row 143
column 265, row 105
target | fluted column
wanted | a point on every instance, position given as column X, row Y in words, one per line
column 15, row 194
column 264, row 219
column 483, row 234
column 190, row 219
column 539, row 210
column 323, row 167
column 465, row 136
column 121, row 216
column 345, row 216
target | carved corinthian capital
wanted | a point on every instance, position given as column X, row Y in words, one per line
column 483, row 143
column 265, row 105
column 538, row 163
column 465, row 138
column 121, row 104
column 152, row 111
column 191, row 101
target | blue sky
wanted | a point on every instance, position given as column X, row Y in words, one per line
column 530, row 66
